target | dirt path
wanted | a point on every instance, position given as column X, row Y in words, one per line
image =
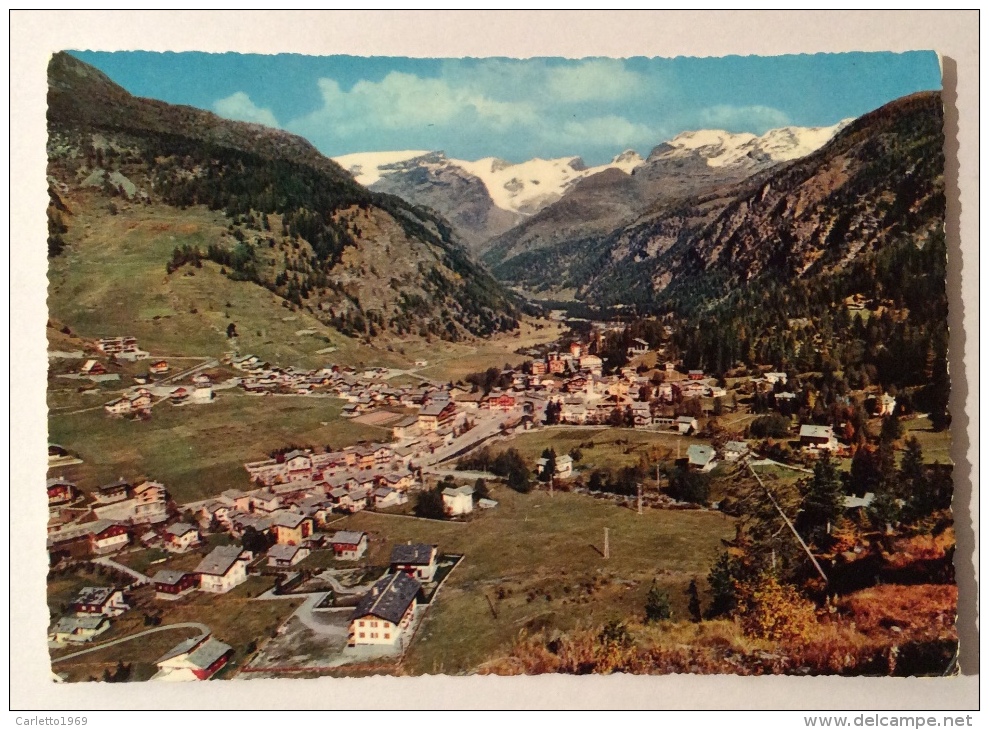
column 203, row 628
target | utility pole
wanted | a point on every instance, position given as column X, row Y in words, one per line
column 789, row 524
column 640, row 498
column 607, row 552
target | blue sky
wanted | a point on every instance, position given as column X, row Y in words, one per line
column 519, row 109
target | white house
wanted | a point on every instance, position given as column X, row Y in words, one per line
column 78, row 629
column 416, row 560
column 285, row 556
column 458, row 500
column 818, row 438
column 223, row 569
column 181, row 537
column 564, row 466
column 348, row 544
column 384, row 616
column 103, row 601
column 700, row 457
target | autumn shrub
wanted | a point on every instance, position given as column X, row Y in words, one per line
column 773, row 610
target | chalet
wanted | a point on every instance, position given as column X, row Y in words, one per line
column 735, row 450
column 700, row 457
column 686, row 424
column 405, row 428
column 298, row 465
column 436, row 414
column 642, row 414
column 349, row 545
column 575, row 349
column 264, row 500
column 150, row 502
column 591, row 363
column 171, row 585
column 538, row 367
column 638, row 347
column 61, row 492
column 416, row 560
column 195, row 659
column 884, row 405
column 113, row 345
column 179, row 395
column 102, row 600
column 388, row 497
column 223, row 569
column 695, row 374
column 458, row 500
column 339, row 497
column 398, row 482
column 118, row 407
column 469, row 401
column 181, row 537
column 92, row 367
column 78, row 629
column 818, row 438
column 359, row 498
column 107, row 536
column 384, row 615
column 291, row 528
column 499, row 402
column 159, row 367
column 287, row 555
column 556, row 364
column 774, row 378
column 564, row 466
column 690, row 389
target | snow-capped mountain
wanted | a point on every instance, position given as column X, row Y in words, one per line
column 726, row 149
column 522, row 188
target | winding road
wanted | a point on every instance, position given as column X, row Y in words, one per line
column 203, row 628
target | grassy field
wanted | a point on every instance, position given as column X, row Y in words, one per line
column 200, row 451
column 612, row 447
column 936, row 445
column 454, row 361
column 112, row 280
column 537, row 559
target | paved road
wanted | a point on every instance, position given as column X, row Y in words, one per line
column 482, row 431
column 203, row 629
column 139, row 577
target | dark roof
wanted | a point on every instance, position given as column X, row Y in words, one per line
column 169, row 577
column 389, row 598
column 94, row 595
column 418, row 554
column 220, row 560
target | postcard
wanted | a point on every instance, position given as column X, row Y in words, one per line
column 367, row 365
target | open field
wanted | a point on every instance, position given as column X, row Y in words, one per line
column 541, row 555
column 936, row 446
column 612, row 447
column 454, row 361
column 200, row 451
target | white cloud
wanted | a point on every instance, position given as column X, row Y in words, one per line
column 743, row 118
column 512, row 105
column 599, row 79
column 238, row 106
